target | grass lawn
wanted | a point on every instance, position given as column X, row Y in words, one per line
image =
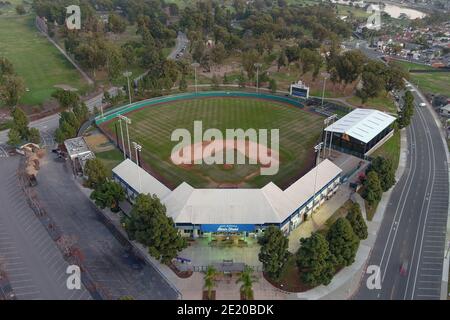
column 383, row 103
column 110, row 158
column 153, row 126
column 290, row 279
column 35, row 59
column 433, row 82
column 391, row 149
column 340, row 213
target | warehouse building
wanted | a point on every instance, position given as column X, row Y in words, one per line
column 209, row 212
column 360, row 132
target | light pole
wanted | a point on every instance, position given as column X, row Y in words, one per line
column 326, row 122
column 128, row 74
column 333, row 117
column 317, row 149
column 138, row 148
column 325, row 76
column 127, row 122
column 123, row 140
column 257, row 66
column 195, row 65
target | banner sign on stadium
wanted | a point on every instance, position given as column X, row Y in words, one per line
column 227, row 227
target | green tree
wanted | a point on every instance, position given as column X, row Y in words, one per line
column 96, row 173
column 20, row 123
column 315, row 261
column 20, row 9
column 183, row 83
column 14, row 137
column 116, row 23
column 6, row 67
column 241, row 80
column 149, row 225
column 273, row 85
column 12, row 88
column 247, row 279
column 66, row 98
column 372, row 188
column 210, row 280
column 274, row 251
column 282, row 60
column 34, row 136
column 356, row 219
column 81, row 112
column 343, row 242
column 215, row 82
column 249, row 59
column 108, row 194
column 385, row 171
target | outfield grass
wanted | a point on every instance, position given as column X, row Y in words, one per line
column 152, row 127
column 40, row 64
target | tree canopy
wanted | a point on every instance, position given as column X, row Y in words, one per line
column 274, row 251
column 356, row 219
column 315, row 260
column 149, row 225
column 343, row 242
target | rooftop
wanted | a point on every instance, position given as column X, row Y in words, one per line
column 76, row 147
column 362, row 124
column 269, row 204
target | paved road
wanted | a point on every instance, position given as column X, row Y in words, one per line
column 181, row 42
column 414, row 226
column 109, row 262
column 32, row 261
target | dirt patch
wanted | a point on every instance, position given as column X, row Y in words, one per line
column 206, row 149
column 65, row 87
column 98, row 142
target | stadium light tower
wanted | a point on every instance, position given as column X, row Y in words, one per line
column 127, row 122
column 257, row 66
column 123, row 140
column 128, row 74
column 325, row 76
column 317, row 149
column 195, row 65
column 138, row 148
column 327, row 122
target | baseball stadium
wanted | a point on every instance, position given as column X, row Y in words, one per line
column 214, row 198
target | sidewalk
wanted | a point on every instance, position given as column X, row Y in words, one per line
column 318, row 218
column 347, row 281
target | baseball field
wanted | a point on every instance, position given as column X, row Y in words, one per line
column 152, row 127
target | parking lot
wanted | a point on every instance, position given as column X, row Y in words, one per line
column 31, row 260
column 108, row 260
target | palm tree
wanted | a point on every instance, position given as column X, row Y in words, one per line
column 247, row 278
column 210, row 280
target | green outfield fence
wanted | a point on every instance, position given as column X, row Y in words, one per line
column 111, row 114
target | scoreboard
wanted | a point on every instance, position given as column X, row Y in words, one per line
column 299, row 90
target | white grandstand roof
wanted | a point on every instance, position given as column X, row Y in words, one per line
column 270, row 204
column 129, row 172
column 362, row 124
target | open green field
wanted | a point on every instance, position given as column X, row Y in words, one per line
column 36, row 60
column 432, row 82
column 153, row 126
